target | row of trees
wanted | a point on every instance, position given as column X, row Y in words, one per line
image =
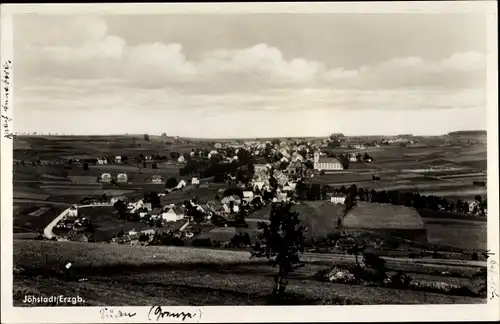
column 409, row 199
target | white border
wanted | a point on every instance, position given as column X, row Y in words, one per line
column 377, row 313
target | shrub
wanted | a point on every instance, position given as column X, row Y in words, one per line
column 444, row 288
column 374, row 261
column 398, row 280
column 204, row 242
column 171, row 183
column 338, row 275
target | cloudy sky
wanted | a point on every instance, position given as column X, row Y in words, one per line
column 250, row 75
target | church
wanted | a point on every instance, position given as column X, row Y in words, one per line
column 322, row 163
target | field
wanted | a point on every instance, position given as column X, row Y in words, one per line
column 319, row 217
column 379, row 216
column 447, row 171
column 187, row 276
column 27, row 220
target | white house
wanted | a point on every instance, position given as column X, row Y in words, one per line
column 258, row 184
column 114, row 200
column 157, row 178
column 353, row 158
column 102, row 161
column 338, row 199
column 181, row 159
column 227, row 208
column 122, row 178
column 118, row 159
column 218, row 145
column 173, row 214
column 212, row 153
column 73, row 211
column 181, row 184
column 247, row 195
column 106, row 178
column 326, row 163
column 296, row 157
column 284, row 152
column 284, row 159
column 195, row 181
column 234, row 198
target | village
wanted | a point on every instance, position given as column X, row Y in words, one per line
column 252, row 176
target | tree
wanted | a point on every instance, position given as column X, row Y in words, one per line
column 171, row 183
column 85, row 166
column 163, row 135
column 280, row 242
column 154, row 165
column 121, row 208
column 352, row 245
column 146, row 137
column 153, row 198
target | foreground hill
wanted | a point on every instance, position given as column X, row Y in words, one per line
column 118, row 275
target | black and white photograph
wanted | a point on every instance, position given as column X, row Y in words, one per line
column 218, row 158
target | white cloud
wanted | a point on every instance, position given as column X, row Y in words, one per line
column 100, row 54
column 97, row 72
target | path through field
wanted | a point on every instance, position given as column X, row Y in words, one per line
column 48, row 230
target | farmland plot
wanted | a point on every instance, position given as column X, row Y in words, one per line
column 468, row 235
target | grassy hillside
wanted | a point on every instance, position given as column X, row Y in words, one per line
column 120, row 275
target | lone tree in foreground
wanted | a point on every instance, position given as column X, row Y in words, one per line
column 280, row 241
column 146, row 137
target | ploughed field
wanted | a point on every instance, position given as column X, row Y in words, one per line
column 442, row 170
column 137, row 275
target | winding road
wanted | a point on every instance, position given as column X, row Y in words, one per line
column 48, row 230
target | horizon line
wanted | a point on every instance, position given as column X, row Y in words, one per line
column 251, row 137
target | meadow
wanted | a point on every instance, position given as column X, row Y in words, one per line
column 118, row 275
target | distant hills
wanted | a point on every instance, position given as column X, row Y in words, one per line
column 468, row 132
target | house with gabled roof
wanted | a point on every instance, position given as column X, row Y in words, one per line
column 102, row 161
column 157, row 178
column 322, row 163
column 122, row 178
column 233, row 198
column 106, row 178
column 338, row 198
column 173, row 214
column 248, row 195
column 181, row 184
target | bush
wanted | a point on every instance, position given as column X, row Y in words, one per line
column 444, row 288
column 202, row 242
column 338, row 275
column 398, row 280
column 171, row 183
column 374, row 261
column 474, row 256
column 368, row 275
